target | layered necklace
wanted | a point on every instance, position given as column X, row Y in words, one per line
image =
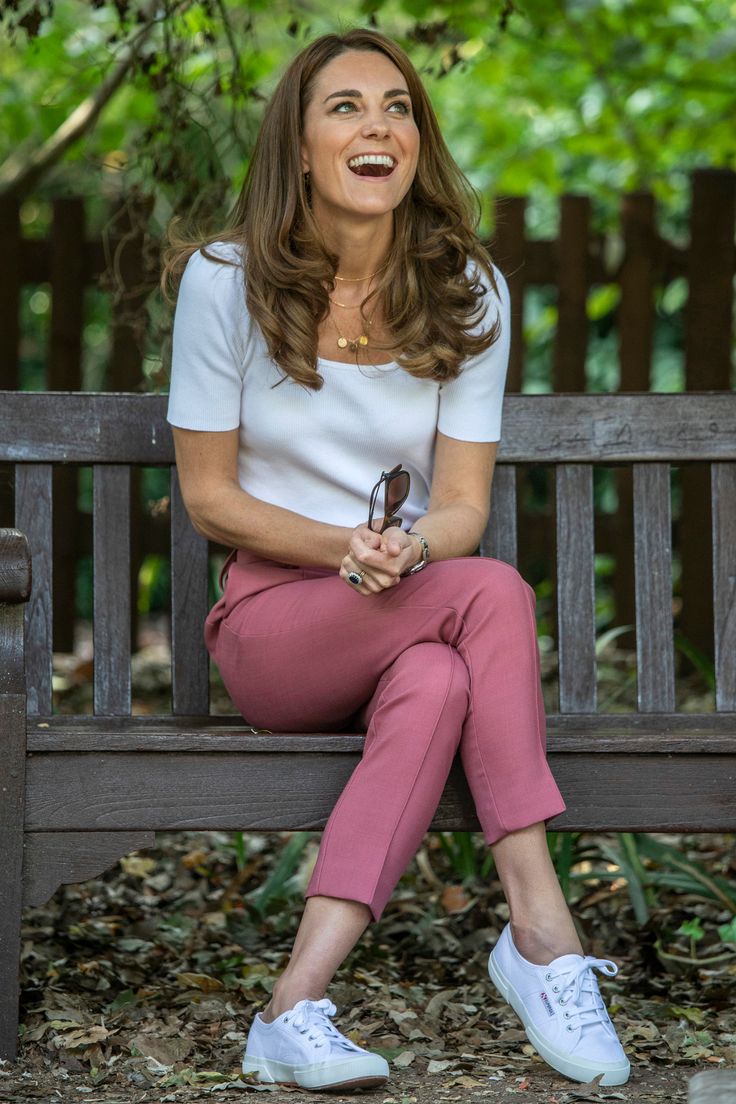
column 354, row 343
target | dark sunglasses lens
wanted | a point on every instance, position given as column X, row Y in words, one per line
column 396, row 492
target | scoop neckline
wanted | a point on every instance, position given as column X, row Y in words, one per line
column 347, row 364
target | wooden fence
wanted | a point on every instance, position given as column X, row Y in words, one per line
column 123, row 261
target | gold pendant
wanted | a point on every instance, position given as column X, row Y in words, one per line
column 363, row 339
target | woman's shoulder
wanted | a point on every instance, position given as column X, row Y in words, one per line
column 211, row 256
column 476, row 271
column 214, row 271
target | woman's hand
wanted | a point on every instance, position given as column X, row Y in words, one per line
column 381, row 556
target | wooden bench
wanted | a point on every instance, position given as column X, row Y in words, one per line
column 79, row 792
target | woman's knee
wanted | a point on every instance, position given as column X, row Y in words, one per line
column 494, row 577
column 433, row 678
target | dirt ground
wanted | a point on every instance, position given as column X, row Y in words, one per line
column 141, row 985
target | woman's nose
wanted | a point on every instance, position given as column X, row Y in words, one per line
column 375, row 122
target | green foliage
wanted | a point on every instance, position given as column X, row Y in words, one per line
column 599, row 97
column 276, row 888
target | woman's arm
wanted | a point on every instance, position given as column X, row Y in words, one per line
column 459, row 504
column 222, row 511
column 460, row 496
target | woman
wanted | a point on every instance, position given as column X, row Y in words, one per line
column 332, row 334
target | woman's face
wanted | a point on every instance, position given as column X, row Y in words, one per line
column 360, row 105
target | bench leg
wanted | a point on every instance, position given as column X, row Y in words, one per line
column 11, row 863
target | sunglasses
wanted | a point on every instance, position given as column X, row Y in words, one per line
column 396, row 484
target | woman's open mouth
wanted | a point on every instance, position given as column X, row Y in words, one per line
column 372, row 166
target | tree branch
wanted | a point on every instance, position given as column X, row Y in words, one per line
column 20, row 173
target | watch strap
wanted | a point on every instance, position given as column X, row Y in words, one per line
column 425, row 553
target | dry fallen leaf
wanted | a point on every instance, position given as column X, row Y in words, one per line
column 454, row 898
column 199, row 981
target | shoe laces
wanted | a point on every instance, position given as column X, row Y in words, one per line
column 311, row 1018
column 582, row 985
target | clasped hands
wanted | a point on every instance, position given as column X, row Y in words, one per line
column 382, row 556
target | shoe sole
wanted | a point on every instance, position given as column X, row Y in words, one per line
column 279, row 1073
column 576, row 1070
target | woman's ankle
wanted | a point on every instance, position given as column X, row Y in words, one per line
column 284, row 998
column 542, row 943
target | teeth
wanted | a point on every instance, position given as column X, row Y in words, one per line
column 371, row 159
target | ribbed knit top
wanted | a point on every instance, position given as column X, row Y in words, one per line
column 319, row 453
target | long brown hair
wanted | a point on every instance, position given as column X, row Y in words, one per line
column 429, row 302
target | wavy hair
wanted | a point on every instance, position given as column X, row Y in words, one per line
column 430, row 305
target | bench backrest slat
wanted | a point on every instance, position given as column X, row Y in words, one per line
column 111, row 554
column 653, row 573
column 33, row 516
column 723, row 480
column 499, row 539
column 576, row 588
column 189, row 607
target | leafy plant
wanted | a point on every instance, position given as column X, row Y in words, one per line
column 275, row 888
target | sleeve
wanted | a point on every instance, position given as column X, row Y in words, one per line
column 470, row 405
column 208, row 345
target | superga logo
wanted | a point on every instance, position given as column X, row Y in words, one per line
column 547, row 1005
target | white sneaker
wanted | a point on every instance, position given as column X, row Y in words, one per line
column 301, row 1047
column 562, row 1011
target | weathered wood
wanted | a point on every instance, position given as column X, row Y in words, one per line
column 130, row 280
column 637, row 278
column 587, row 725
column 15, row 566
column 508, row 249
column 54, row 859
column 709, row 309
column 500, row 538
column 712, row 1087
column 131, row 429
column 111, row 494
column 655, row 647
column 189, row 584
column 68, row 279
column 572, row 278
column 723, row 477
column 11, row 868
column 12, row 814
column 708, row 344
column 11, row 279
column 34, row 516
column 576, row 588
column 66, row 515
column 162, row 791
column 198, row 735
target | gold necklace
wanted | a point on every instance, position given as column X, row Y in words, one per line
column 353, row 343
column 357, row 279
column 350, row 306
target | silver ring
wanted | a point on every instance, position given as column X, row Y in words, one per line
column 355, row 577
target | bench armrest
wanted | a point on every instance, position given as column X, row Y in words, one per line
column 15, row 567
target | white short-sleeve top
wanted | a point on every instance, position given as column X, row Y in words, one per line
column 319, row 453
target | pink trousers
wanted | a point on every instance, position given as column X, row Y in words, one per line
column 446, row 660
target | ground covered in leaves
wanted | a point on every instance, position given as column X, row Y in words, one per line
column 140, row 986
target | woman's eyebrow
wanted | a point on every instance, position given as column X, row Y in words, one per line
column 355, row 94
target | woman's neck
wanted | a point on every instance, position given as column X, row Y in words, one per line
column 363, row 247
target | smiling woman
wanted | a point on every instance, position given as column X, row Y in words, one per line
column 311, row 217
column 354, row 240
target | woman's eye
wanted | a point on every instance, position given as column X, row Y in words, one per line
column 406, row 110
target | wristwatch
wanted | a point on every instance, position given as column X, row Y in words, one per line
column 425, row 554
